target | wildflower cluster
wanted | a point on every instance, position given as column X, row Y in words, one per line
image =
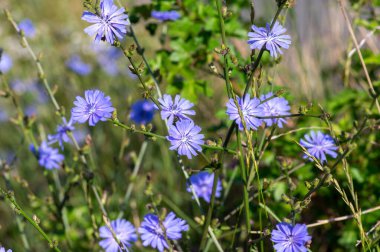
column 249, row 114
column 183, row 133
column 153, row 232
column 253, row 109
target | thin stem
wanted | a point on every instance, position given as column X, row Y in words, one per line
column 342, row 218
column 107, row 220
column 243, row 171
column 19, row 210
column 134, row 175
column 373, row 93
column 258, row 59
column 140, row 51
column 41, row 73
column 150, row 134
column 20, row 225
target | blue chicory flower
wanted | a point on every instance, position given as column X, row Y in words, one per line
column 31, row 110
column 94, row 107
column 153, row 235
column 185, row 138
column 77, row 65
column 142, row 111
column 273, row 40
column 110, row 25
column 4, row 116
column 274, row 106
column 165, row 15
column 250, row 109
column 61, row 133
column 2, row 249
column 107, row 57
column 6, row 62
column 288, row 238
column 125, row 232
column 47, row 156
column 318, row 145
column 26, row 25
column 202, row 183
column 177, row 109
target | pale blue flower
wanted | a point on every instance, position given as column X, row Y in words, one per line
column 179, row 109
column 319, row 145
column 165, row 15
column 125, row 232
column 61, row 134
column 274, row 106
column 202, row 183
column 110, row 24
column 26, row 25
column 250, row 110
column 288, row 238
column 6, row 62
column 77, row 65
column 47, row 156
column 273, row 40
column 185, row 138
column 152, row 234
column 93, row 108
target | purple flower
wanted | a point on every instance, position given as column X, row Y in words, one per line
column 318, row 145
column 250, row 109
column 142, row 111
column 107, row 57
column 111, row 23
column 27, row 86
column 76, row 64
column 153, row 235
column 4, row 116
column 165, row 15
column 94, row 107
column 31, row 110
column 2, row 249
column 202, row 183
column 26, row 25
column 185, row 138
column 275, row 106
column 6, row 62
column 288, row 238
column 178, row 109
column 125, row 232
column 273, row 40
column 61, row 135
column 47, row 157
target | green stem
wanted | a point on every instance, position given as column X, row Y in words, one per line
column 243, row 171
column 258, row 59
column 19, row 210
column 134, row 175
column 140, row 51
column 150, row 134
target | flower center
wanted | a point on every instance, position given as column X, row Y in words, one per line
column 184, row 139
column 158, row 230
column 174, row 110
column 91, row 109
column 204, row 188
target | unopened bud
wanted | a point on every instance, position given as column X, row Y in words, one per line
column 285, row 198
